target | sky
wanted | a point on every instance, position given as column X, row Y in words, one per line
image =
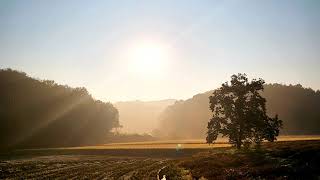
column 152, row 50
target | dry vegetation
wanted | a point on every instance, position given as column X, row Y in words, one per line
column 182, row 144
column 280, row 160
column 276, row 160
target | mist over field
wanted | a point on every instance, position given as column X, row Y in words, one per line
column 159, row 90
column 38, row 113
column 141, row 116
column 175, row 119
column 298, row 107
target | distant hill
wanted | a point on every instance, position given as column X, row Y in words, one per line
column 298, row 107
column 41, row 113
column 141, row 116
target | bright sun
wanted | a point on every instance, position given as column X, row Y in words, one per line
column 148, row 60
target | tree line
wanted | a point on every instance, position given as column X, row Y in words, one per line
column 298, row 108
column 41, row 113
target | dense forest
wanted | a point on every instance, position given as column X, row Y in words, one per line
column 41, row 113
column 298, row 107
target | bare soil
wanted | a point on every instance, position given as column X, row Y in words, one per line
column 278, row 160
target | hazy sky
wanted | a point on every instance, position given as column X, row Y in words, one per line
column 199, row 44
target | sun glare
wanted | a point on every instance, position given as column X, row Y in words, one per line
column 148, row 60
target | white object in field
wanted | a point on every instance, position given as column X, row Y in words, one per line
column 164, row 177
column 178, row 147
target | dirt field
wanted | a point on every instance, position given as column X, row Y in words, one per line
column 278, row 160
column 293, row 158
column 82, row 167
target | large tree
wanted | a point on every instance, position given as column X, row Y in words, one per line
column 239, row 112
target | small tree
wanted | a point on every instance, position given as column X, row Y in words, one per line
column 239, row 112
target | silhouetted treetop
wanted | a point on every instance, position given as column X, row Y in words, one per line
column 239, row 112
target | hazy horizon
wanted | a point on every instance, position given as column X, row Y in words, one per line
column 155, row 50
column 159, row 89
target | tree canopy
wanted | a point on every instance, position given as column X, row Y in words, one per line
column 239, row 112
column 41, row 113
